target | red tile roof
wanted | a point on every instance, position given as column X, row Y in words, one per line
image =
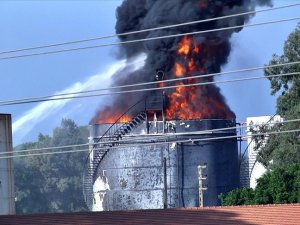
column 286, row 214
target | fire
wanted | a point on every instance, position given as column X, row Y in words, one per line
column 179, row 70
column 193, row 102
column 192, row 65
column 184, row 46
column 185, row 102
column 196, row 50
column 110, row 116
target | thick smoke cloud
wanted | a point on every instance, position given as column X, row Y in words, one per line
column 134, row 15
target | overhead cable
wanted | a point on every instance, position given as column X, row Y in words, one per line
column 154, row 82
column 210, row 131
column 147, row 30
column 247, row 147
column 157, row 143
column 34, row 100
column 148, row 136
column 148, row 39
column 43, row 149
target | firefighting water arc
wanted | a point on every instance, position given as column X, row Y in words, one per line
column 177, row 57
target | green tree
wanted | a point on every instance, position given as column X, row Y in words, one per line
column 52, row 183
column 279, row 186
column 243, row 196
column 283, row 149
column 280, row 153
column 282, row 185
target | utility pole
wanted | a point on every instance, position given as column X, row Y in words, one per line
column 165, row 195
column 201, row 186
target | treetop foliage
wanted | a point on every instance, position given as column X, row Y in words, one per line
column 52, row 183
column 282, row 149
column 282, row 185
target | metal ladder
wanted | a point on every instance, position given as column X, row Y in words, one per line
column 101, row 147
column 124, row 129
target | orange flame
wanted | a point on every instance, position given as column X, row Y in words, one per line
column 185, row 103
column 109, row 115
column 196, row 50
column 193, row 102
column 179, row 70
column 184, row 46
column 191, row 65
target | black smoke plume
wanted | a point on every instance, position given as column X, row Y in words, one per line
column 134, row 15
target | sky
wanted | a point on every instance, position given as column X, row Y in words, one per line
column 33, row 23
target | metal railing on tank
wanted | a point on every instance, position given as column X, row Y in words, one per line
column 133, row 117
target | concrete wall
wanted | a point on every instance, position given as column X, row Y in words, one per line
column 7, row 196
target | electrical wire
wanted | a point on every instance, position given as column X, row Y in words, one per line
column 46, row 148
column 148, row 89
column 256, row 159
column 148, row 39
column 157, row 143
column 155, row 82
column 246, row 149
column 45, row 153
column 147, row 30
column 148, row 136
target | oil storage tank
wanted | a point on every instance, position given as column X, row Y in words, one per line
column 156, row 165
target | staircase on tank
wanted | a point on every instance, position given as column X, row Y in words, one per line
column 101, row 147
column 108, row 141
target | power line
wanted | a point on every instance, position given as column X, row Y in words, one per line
column 44, row 153
column 148, row 136
column 148, row 39
column 213, row 138
column 157, row 143
column 154, row 82
column 150, row 89
column 246, row 149
column 46, row 148
column 166, row 135
column 192, row 133
column 261, row 141
column 147, row 89
column 147, row 30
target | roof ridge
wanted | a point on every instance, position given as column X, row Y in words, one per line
column 243, row 206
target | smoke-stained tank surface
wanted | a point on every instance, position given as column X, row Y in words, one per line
column 145, row 173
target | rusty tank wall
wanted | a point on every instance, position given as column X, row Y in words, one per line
column 132, row 176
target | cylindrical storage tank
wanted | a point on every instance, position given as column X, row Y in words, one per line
column 218, row 153
column 148, row 174
column 129, row 178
